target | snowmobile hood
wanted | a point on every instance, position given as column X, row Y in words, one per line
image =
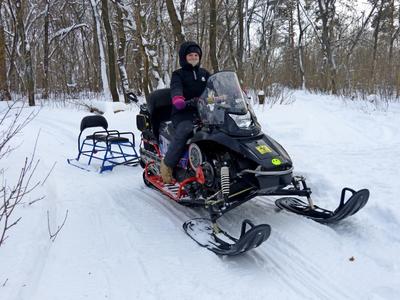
column 261, row 149
column 183, row 52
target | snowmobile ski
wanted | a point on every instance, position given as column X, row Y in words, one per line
column 209, row 235
column 324, row 216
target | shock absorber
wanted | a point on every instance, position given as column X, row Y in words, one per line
column 225, row 182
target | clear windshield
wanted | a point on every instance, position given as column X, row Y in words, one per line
column 222, row 95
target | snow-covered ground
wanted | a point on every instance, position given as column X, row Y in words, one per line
column 122, row 240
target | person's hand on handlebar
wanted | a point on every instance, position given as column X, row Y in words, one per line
column 192, row 103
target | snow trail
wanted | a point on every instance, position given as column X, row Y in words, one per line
column 123, row 240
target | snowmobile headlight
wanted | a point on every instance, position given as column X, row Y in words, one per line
column 242, row 121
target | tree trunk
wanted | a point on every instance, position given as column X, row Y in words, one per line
column 97, row 66
column 142, row 49
column 110, row 51
column 203, row 27
column 392, row 35
column 376, row 38
column 27, row 58
column 228, row 19
column 46, row 52
column 121, row 49
column 182, row 8
column 176, row 22
column 101, row 55
column 240, row 40
column 391, row 30
column 354, row 43
column 301, row 48
column 197, row 14
column 327, row 13
column 4, row 92
column 30, row 83
column 293, row 67
column 247, row 23
column 213, row 35
column 13, row 55
column 87, row 61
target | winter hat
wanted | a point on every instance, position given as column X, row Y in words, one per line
column 193, row 49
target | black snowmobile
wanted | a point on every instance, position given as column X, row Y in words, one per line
column 228, row 161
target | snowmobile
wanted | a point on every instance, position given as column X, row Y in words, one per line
column 228, row 162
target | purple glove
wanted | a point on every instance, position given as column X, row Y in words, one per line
column 179, row 102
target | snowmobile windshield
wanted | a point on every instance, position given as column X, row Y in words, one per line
column 223, row 95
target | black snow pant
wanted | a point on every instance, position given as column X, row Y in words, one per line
column 183, row 124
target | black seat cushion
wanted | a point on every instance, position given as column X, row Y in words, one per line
column 159, row 105
column 111, row 138
column 94, row 121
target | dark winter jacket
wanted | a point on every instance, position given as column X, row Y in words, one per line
column 188, row 81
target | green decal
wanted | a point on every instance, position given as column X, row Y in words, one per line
column 276, row 162
column 263, row 149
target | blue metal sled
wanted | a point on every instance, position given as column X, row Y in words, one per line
column 111, row 147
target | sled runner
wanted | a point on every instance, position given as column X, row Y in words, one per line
column 110, row 147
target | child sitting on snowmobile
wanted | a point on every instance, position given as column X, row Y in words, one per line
column 187, row 83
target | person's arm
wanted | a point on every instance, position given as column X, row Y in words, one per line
column 177, row 91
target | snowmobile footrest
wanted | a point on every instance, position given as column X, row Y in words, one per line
column 318, row 214
column 218, row 241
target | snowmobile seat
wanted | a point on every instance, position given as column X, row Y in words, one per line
column 118, row 147
column 159, row 106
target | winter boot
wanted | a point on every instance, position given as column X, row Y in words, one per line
column 166, row 173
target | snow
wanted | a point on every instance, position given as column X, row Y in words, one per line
column 122, row 240
column 151, row 52
column 64, row 31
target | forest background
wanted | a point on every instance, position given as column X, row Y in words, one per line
column 120, row 48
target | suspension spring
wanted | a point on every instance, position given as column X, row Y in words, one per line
column 225, row 183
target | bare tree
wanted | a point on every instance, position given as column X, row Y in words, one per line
column 26, row 50
column 46, row 50
column 354, row 41
column 142, row 47
column 326, row 13
column 121, row 13
column 98, row 49
column 110, row 51
column 176, row 22
column 302, row 30
column 377, row 27
column 295, row 43
column 213, row 35
column 4, row 92
column 240, row 44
